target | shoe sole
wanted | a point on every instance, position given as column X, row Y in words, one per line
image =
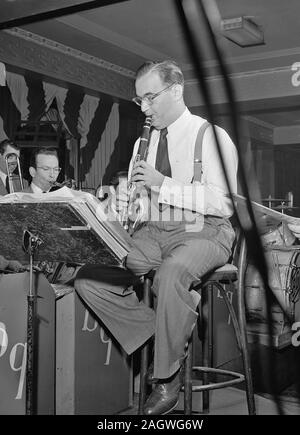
column 171, row 409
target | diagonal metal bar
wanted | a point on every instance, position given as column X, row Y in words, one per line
column 16, row 14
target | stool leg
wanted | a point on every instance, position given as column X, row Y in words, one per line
column 188, row 384
column 247, row 365
column 143, row 379
column 144, row 355
column 243, row 329
column 207, row 344
column 239, row 327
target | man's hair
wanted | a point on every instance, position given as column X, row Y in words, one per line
column 40, row 151
column 5, row 143
column 115, row 179
column 168, row 70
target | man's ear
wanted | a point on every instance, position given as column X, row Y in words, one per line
column 178, row 91
column 32, row 171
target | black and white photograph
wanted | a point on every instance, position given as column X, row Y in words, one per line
column 149, row 212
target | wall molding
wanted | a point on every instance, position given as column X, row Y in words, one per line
column 33, row 52
column 45, row 42
column 255, row 57
column 258, row 85
column 241, row 75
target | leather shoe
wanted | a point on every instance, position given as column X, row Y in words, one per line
column 165, row 394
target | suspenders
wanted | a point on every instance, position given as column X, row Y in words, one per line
column 198, row 152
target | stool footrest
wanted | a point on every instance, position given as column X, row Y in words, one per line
column 238, row 378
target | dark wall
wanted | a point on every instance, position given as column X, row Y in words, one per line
column 287, row 178
column 131, row 121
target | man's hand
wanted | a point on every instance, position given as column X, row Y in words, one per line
column 16, row 266
column 138, row 210
column 295, row 228
column 118, row 201
column 146, row 174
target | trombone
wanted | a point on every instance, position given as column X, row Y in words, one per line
column 10, row 172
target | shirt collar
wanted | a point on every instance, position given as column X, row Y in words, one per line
column 183, row 118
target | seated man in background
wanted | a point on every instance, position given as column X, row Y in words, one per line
column 103, row 193
column 7, row 147
column 107, row 194
column 44, row 170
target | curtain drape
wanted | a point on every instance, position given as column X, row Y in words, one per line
column 93, row 122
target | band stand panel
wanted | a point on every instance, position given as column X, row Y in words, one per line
column 13, row 330
column 93, row 374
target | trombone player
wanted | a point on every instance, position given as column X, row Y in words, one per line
column 44, row 170
column 10, row 164
column 9, row 159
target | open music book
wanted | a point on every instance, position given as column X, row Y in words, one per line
column 73, row 226
column 261, row 210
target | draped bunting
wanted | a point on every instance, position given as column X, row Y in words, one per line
column 59, row 94
column 103, row 153
column 93, row 122
column 86, row 115
column 19, row 93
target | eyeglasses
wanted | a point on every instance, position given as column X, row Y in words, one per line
column 150, row 97
column 47, row 169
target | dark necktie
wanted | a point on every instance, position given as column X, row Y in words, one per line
column 162, row 163
column 7, row 184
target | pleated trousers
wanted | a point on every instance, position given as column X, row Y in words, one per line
column 179, row 259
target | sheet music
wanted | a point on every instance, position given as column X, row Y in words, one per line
column 94, row 217
column 259, row 208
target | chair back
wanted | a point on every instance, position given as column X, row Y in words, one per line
column 235, row 252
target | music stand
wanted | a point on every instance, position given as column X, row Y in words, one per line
column 270, row 215
column 53, row 231
column 66, row 235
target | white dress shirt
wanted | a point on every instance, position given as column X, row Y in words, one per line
column 210, row 197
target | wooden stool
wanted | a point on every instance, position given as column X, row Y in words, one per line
column 228, row 274
column 147, row 299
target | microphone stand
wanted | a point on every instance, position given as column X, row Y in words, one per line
column 30, row 244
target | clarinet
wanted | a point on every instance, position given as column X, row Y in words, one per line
column 141, row 155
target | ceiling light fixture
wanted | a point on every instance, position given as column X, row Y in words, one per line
column 243, row 31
